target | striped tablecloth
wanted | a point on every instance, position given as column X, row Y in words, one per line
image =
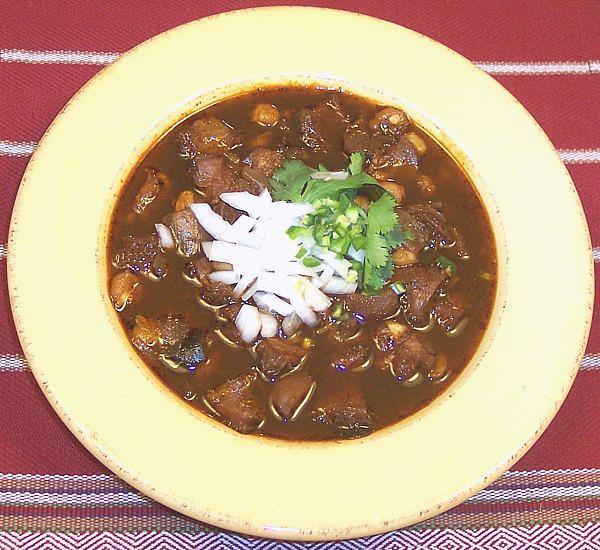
column 53, row 494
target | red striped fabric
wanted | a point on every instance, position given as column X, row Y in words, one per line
column 54, row 494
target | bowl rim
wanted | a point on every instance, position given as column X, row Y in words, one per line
column 95, row 445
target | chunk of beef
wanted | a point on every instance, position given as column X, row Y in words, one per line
column 320, row 126
column 240, row 403
column 400, row 153
column 277, row 357
column 291, row 394
column 388, row 335
column 187, row 232
column 122, row 287
column 198, row 269
column 389, row 120
column 215, row 293
column 449, row 311
column 345, row 330
column 355, row 357
column 228, row 213
column 376, row 306
column 162, row 334
column 421, row 284
column 413, row 353
column 187, row 354
column 345, row 409
column 428, row 225
column 142, row 255
column 230, row 333
column 212, row 175
column 152, row 186
column 357, row 140
column 265, row 114
column 266, row 161
column 209, row 135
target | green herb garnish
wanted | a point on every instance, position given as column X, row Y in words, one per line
column 445, row 263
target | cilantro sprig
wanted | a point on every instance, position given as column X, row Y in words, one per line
column 338, row 223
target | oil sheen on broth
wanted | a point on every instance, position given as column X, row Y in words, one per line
column 356, row 317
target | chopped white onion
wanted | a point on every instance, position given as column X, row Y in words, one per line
column 244, row 283
column 271, row 303
column 302, row 308
column 339, row 265
column 250, row 292
column 337, row 285
column 226, row 277
column 244, row 224
column 255, row 205
column 358, row 255
column 326, row 275
column 268, row 325
column 275, row 283
column 248, row 323
column 206, row 246
column 164, row 236
column 290, row 324
column 209, row 220
column 315, row 298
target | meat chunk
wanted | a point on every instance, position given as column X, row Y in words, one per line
column 187, row 232
column 389, row 120
column 400, row 153
column 352, row 358
column 161, row 335
column 240, row 403
column 187, row 354
column 402, row 350
column 266, row 161
column 277, row 357
column 357, row 140
column 344, row 409
column 319, row 127
column 142, row 255
column 376, row 306
column 421, row 284
column 291, row 394
column 413, row 353
column 122, row 287
column 209, row 135
column 449, row 311
column 212, row 175
column 152, row 186
column 427, row 225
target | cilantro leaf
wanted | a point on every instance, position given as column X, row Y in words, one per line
column 316, row 189
column 395, row 237
column 289, row 182
column 357, row 161
column 382, row 216
column 445, row 263
column 376, row 250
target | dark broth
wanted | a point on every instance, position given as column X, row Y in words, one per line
column 388, row 400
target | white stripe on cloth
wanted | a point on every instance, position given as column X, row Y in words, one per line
column 58, row 56
column 492, row 67
column 17, row 148
column 13, row 363
column 579, row 156
column 539, row 68
column 2, row 251
column 568, row 156
column 8, row 498
column 532, row 493
column 596, row 253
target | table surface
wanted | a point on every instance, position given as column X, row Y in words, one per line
column 54, row 493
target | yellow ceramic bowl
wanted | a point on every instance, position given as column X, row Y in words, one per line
column 401, row 475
